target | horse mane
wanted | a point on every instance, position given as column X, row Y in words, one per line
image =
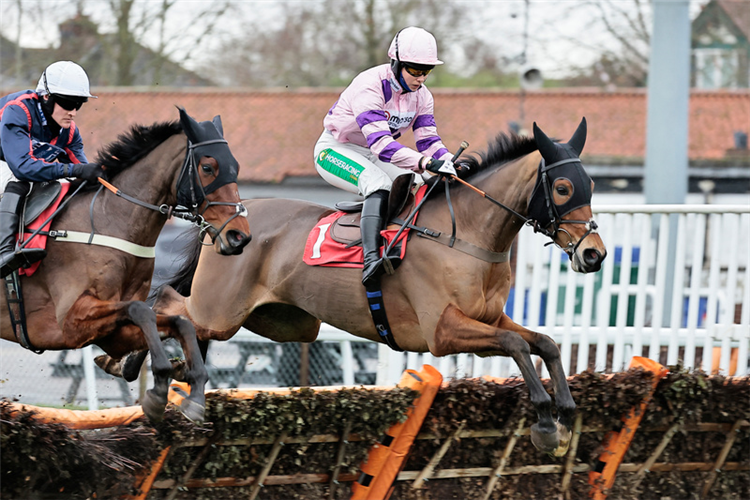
column 135, row 144
column 504, row 148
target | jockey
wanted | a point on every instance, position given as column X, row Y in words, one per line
column 39, row 142
column 358, row 152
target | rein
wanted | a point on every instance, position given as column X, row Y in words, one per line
column 188, row 214
column 557, row 221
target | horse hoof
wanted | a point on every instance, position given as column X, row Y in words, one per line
column 546, row 442
column 193, row 411
column 563, row 436
column 153, row 407
column 109, row 365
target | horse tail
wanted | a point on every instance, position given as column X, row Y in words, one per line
column 182, row 280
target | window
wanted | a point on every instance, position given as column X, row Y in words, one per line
column 716, row 68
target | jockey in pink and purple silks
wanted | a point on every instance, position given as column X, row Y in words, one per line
column 358, row 151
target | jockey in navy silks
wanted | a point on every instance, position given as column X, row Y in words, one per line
column 39, row 142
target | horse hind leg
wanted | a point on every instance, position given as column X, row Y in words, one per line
column 128, row 367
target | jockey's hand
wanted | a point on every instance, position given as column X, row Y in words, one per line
column 443, row 167
column 88, row 171
column 462, row 170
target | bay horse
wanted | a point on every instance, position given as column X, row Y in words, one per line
column 441, row 299
column 84, row 294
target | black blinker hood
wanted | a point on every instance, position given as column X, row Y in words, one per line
column 559, row 161
column 204, row 139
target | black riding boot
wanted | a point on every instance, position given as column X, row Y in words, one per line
column 372, row 222
column 10, row 260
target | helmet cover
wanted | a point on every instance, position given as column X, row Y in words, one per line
column 64, row 78
column 414, row 45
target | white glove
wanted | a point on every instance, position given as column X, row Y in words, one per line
column 444, row 167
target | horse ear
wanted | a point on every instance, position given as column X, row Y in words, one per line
column 217, row 124
column 189, row 125
column 579, row 137
column 544, row 143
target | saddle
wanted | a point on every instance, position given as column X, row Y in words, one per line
column 42, row 195
column 41, row 203
column 345, row 230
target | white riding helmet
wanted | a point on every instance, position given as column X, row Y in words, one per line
column 414, row 45
column 64, row 78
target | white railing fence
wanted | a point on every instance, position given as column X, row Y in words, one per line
column 672, row 305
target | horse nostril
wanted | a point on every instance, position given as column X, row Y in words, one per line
column 591, row 256
column 237, row 239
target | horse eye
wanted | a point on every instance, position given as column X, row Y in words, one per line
column 562, row 190
column 207, row 169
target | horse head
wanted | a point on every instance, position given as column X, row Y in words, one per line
column 560, row 203
column 208, row 185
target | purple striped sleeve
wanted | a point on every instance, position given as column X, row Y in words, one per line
column 440, row 152
column 387, row 92
column 427, row 142
column 375, row 137
column 424, row 121
column 369, row 117
column 387, row 154
column 330, row 111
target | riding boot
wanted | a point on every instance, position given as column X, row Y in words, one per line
column 10, row 259
column 370, row 225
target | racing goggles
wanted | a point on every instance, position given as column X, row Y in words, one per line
column 419, row 71
column 69, row 103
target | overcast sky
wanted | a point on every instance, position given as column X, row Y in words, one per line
column 560, row 35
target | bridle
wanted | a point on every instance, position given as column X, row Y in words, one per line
column 549, row 227
column 190, row 196
column 554, row 222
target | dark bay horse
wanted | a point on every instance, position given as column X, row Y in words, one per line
column 90, row 294
column 440, row 299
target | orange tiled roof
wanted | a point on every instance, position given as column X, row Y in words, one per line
column 272, row 133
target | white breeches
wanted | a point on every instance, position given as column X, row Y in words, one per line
column 353, row 168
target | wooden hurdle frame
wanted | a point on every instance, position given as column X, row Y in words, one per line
column 431, row 381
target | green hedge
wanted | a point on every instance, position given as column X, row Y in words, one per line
column 51, row 461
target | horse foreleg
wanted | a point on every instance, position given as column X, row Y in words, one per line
column 547, row 349
column 194, row 406
column 457, row 333
column 155, row 400
column 109, row 324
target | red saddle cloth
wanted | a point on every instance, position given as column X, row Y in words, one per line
column 40, row 241
column 322, row 250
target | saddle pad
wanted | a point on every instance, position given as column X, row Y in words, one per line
column 40, row 241
column 322, row 250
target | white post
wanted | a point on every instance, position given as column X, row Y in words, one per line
column 87, row 357
column 382, row 375
column 347, row 362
